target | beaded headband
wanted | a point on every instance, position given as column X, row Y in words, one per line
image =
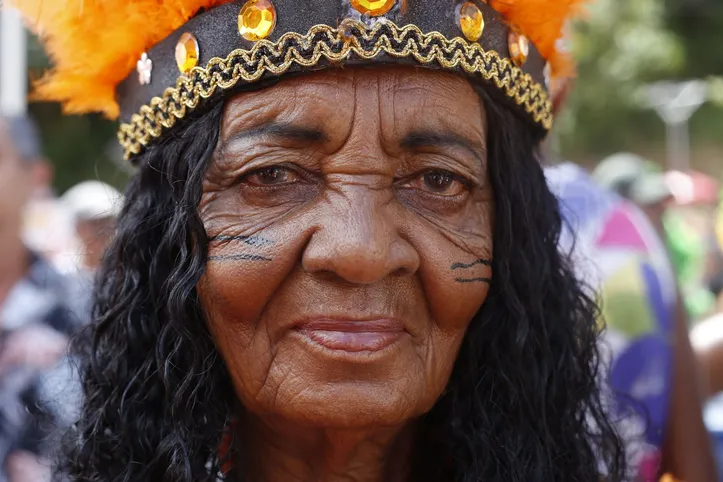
column 210, row 49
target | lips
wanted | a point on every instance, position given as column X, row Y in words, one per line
column 352, row 335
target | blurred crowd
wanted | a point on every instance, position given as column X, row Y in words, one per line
column 51, row 247
column 644, row 241
column 648, row 242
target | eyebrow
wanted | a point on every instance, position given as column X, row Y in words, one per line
column 278, row 130
column 421, row 139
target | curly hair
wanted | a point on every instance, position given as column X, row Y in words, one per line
column 522, row 404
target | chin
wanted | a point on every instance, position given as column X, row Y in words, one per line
column 352, row 405
column 338, row 390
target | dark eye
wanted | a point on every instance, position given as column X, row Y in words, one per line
column 443, row 183
column 271, row 176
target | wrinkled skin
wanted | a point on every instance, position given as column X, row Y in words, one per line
column 346, row 196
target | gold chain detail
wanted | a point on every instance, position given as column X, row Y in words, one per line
column 352, row 37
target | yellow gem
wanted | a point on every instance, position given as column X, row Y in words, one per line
column 373, row 7
column 519, row 48
column 257, row 19
column 187, row 53
column 471, row 21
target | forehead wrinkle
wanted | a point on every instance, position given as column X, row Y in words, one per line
column 287, row 98
column 315, row 101
column 436, row 83
column 247, row 111
column 361, row 144
column 432, row 106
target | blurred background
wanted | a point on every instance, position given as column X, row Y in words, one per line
column 624, row 50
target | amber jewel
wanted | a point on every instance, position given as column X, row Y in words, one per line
column 471, row 21
column 257, row 19
column 519, row 48
column 187, row 53
column 373, row 7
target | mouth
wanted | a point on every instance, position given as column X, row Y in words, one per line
column 352, row 335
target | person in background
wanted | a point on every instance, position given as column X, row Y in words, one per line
column 707, row 340
column 641, row 182
column 697, row 197
column 715, row 278
column 35, row 321
column 94, row 207
column 652, row 368
column 47, row 225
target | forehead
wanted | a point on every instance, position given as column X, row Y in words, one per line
column 398, row 97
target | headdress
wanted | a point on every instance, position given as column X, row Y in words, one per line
column 152, row 62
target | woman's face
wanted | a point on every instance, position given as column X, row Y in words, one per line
column 350, row 220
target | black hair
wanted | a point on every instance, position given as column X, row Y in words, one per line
column 521, row 406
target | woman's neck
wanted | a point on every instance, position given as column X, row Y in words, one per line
column 279, row 451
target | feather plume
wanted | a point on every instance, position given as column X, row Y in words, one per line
column 95, row 44
column 543, row 22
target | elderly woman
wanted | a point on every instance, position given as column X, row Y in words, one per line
column 338, row 258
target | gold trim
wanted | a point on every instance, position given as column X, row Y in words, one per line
column 332, row 44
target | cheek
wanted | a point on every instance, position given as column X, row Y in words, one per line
column 456, row 267
column 245, row 269
column 456, row 273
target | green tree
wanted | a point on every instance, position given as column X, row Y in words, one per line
column 699, row 26
column 620, row 47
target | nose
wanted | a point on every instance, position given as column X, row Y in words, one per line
column 360, row 244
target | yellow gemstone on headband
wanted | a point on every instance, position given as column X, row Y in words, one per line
column 471, row 21
column 519, row 46
column 187, row 53
column 257, row 19
column 373, row 7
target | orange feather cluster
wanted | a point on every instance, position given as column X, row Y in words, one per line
column 543, row 21
column 95, row 44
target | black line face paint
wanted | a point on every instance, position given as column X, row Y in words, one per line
column 254, row 241
column 482, row 261
column 474, row 280
column 239, row 257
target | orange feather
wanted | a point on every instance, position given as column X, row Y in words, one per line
column 95, row 44
column 543, row 21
